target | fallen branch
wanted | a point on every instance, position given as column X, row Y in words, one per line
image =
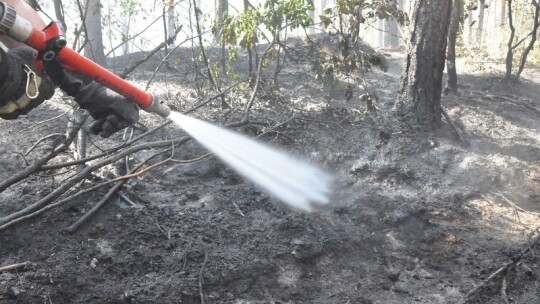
column 73, row 227
column 51, row 206
column 161, row 163
column 122, row 180
column 14, row 266
column 108, row 152
column 516, row 206
column 514, row 260
column 449, row 120
column 42, row 122
column 86, row 172
column 40, row 162
column 120, row 183
column 134, row 140
column 54, row 135
column 504, row 295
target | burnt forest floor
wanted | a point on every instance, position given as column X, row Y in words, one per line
column 416, row 218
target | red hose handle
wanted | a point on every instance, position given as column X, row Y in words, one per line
column 51, row 44
column 76, row 62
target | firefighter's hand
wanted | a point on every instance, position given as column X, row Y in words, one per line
column 111, row 111
column 22, row 86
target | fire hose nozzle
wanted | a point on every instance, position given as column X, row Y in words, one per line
column 159, row 108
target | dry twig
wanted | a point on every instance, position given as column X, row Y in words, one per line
column 123, row 179
column 515, row 259
column 449, row 120
column 40, row 162
column 28, row 216
column 201, row 273
column 504, row 296
column 67, row 185
column 14, row 266
column 515, row 206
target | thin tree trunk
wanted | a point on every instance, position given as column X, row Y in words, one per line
column 419, row 98
column 59, row 13
column 380, row 33
column 311, row 14
column 171, row 19
column 125, row 32
column 480, row 25
column 451, row 52
column 503, row 12
column 211, row 77
column 94, row 47
column 247, row 6
column 391, row 36
column 222, row 9
column 510, row 51
column 165, row 30
column 469, row 26
column 534, row 35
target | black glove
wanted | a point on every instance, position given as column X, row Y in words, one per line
column 22, row 86
column 111, row 110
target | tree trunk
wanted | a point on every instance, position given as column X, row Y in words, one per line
column 534, row 35
column 503, row 12
column 247, row 6
column 211, row 77
column 59, row 13
column 171, row 18
column 480, row 26
column 469, row 23
column 391, row 33
column 126, row 24
column 380, row 33
column 451, row 52
column 419, row 97
column 222, row 8
column 94, row 47
column 510, row 50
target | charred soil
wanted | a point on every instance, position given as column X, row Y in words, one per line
column 416, row 218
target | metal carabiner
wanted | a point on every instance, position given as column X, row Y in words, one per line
column 31, row 77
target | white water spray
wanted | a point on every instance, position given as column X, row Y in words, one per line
column 290, row 180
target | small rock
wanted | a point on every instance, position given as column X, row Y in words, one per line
column 128, row 297
column 424, row 274
column 93, row 263
column 400, row 288
column 527, row 269
column 393, row 274
column 13, row 293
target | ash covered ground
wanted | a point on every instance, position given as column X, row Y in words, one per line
column 416, row 218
